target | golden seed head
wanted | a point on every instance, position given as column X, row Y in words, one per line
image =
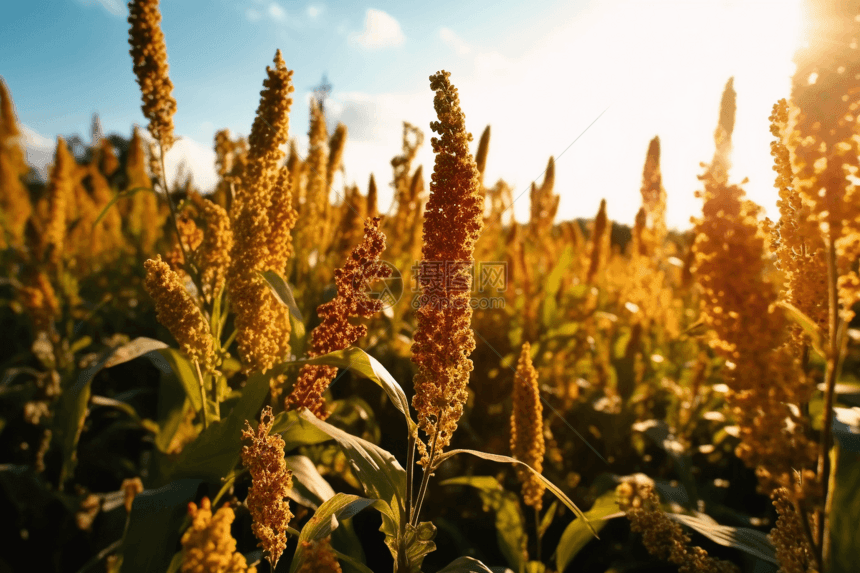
column 336, row 332
column 263, row 455
column 213, row 254
column 527, row 440
column 60, row 194
column 176, row 310
column 40, row 301
column 664, row 538
column 208, row 546
column 792, row 545
column 599, row 243
column 453, row 221
column 149, row 56
column 319, row 557
column 262, row 218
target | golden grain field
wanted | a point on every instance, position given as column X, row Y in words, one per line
column 281, row 376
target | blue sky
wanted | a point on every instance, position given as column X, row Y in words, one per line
column 539, row 75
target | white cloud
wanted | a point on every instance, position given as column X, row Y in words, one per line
column 115, row 7
column 38, row 149
column 314, row 11
column 454, row 41
column 198, row 157
column 381, row 30
column 276, row 12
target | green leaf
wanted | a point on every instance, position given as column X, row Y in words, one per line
column 367, row 366
column 577, row 533
column 377, row 470
column 510, row 529
column 296, row 431
column 119, row 405
column 325, row 521
column 816, row 337
column 508, row 460
column 748, row 540
column 309, row 487
column 134, row 349
column 418, row 542
column 218, row 448
column 153, row 528
column 466, row 565
column 172, row 406
column 282, row 291
column 547, row 518
column 185, row 372
column 312, row 490
column 70, row 414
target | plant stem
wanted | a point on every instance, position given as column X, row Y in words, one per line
column 537, row 535
column 189, row 267
column 410, row 473
column 425, row 479
column 230, row 339
column 833, row 352
column 202, row 395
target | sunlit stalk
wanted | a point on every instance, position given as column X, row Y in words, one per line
column 202, row 394
column 410, row 476
column 822, row 545
column 425, row 480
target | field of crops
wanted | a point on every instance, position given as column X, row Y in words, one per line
column 281, row 375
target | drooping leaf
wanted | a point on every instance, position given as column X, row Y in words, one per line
column 325, row 521
column 378, row 471
column 748, row 540
column 137, row 347
column 510, row 528
column 577, row 533
column 153, row 528
column 368, row 367
column 309, row 487
column 296, row 431
column 816, row 337
column 508, row 460
column 282, row 291
column 185, row 373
